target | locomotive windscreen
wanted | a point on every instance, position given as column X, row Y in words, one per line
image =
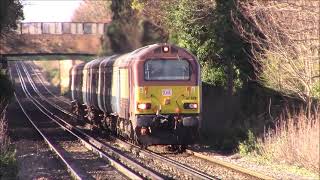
column 167, row 69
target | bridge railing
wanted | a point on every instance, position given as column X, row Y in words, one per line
column 83, row 28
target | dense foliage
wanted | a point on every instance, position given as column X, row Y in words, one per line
column 93, row 11
column 6, row 89
column 129, row 30
column 206, row 29
column 285, row 43
column 10, row 13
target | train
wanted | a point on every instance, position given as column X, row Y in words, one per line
column 151, row 95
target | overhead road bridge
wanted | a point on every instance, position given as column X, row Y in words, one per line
column 54, row 38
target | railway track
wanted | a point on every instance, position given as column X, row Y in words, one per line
column 39, row 76
column 58, row 150
column 192, row 172
column 249, row 174
column 126, row 166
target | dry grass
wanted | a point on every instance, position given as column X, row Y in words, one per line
column 3, row 129
column 294, row 141
column 8, row 163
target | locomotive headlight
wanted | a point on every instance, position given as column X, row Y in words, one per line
column 190, row 106
column 143, row 106
column 165, row 49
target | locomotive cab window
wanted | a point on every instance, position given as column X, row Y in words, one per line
column 167, row 69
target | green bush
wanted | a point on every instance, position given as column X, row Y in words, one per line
column 8, row 163
column 213, row 75
column 248, row 146
column 6, row 89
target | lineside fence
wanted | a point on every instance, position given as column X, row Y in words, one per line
column 82, row 28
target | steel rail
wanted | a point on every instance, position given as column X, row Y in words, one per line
column 229, row 165
column 183, row 167
column 187, row 169
column 42, row 83
column 69, row 166
column 99, row 147
column 43, row 97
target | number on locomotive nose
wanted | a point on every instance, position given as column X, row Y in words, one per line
column 166, row 92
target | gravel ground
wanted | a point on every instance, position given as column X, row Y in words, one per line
column 269, row 170
column 35, row 160
column 149, row 162
column 197, row 163
column 97, row 168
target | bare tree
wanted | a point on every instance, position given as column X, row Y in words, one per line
column 285, row 38
column 93, row 11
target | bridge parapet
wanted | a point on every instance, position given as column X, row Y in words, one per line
column 83, row 28
column 54, row 38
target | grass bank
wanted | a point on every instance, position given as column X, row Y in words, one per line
column 293, row 144
column 8, row 162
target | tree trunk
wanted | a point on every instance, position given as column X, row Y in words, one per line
column 230, row 75
column 309, row 106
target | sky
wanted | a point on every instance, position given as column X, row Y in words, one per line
column 49, row 10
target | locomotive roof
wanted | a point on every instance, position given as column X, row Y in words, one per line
column 78, row 66
column 138, row 54
column 94, row 63
column 108, row 61
column 156, row 49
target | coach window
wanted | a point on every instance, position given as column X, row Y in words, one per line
column 66, row 28
column 167, row 69
column 87, row 28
